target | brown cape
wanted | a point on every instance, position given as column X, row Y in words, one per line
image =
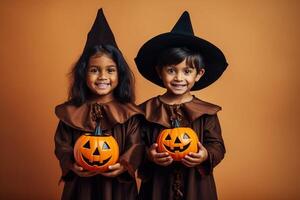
column 122, row 121
column 166, row 183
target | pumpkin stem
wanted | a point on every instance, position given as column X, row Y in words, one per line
column 97, row 116
column 175, row 123
column 98, row 130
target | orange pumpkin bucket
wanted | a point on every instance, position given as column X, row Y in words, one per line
column 96, row 152
column 178, row 141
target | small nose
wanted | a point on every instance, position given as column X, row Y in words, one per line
column 178, row 76
column 102, row 75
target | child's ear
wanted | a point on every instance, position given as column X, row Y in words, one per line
column 158, row 71
column 200, row 74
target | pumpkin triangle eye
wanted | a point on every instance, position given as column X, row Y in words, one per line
column 177, row 140
column 186, row 136
column 168, row 137
column 105, row 146
column 96, row 152
column 87, row 145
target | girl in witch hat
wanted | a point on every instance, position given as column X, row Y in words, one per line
column 102, row 90
column 180, row 62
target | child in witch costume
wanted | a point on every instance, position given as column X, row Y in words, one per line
column 180, row 62
column 101, row 91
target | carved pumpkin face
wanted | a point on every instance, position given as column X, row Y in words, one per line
column 178, row 142
column 96, row 153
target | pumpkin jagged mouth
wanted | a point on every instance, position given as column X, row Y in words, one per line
column 177, row 148
column 97, row 163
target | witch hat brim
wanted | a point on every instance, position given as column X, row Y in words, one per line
column 100, row 33
column 181, row 36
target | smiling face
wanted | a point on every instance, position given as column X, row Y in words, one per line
column 179, row 79
column 102, row 75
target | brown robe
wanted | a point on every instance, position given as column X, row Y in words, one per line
column 177, row 181
column 120, row 120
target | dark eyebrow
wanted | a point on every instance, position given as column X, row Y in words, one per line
column 90, row 66
column 190, row 67
column 109, row 66
column 172, row 66
column 97, row 66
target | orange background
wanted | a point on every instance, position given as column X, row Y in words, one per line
column 259, row 92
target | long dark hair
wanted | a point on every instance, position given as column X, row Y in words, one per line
column 176, row 55
column 79, row 91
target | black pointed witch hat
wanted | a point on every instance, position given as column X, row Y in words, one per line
column 100, row 33
column 182, row 35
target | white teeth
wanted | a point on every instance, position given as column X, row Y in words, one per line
column 179, row 86
column 102, row 85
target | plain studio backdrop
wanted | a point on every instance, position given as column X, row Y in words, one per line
column 259, row 92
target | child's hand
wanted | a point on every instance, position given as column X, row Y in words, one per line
column 81, row 172
column 163, row 158
column 193, row 159
column 114, row 170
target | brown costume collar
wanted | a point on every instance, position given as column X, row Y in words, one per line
column 159, row 112
column 83, row 117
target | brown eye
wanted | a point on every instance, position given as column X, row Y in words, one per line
column 111, row 70
column 170, row 70
column 188, row 71
column 93, row 70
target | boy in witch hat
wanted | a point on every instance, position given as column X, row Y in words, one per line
column 101, row 100
column 180, row 62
